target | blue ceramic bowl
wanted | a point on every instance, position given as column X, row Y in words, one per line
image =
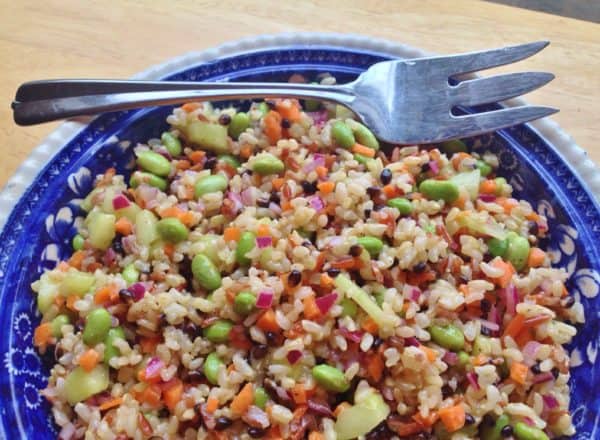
column 38, row 231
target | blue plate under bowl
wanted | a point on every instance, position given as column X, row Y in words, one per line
column 42, row 221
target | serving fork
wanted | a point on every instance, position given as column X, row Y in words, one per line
column 410, row 101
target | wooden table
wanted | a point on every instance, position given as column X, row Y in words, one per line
column 115, row 39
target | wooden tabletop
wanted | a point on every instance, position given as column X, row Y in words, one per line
column 115, row 39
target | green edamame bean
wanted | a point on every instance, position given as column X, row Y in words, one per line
column 267, row 164
column 363, row 160
column 342, row 135
column 494, row 432
column 97, row 325
column 212, row 363
column 484, row 168
column 453, row 146
column 130, row 274
column 239, row 123
column 463, row 358
column 401, row 204
column 154, row 163
column 77, row 242
column 263, row 107
column 439, row 190
column 525, row 432
column 330, row 378
column 205, row 272
column 110, row 351
column 139, row 177
column 449, row 336
column 171, row 143
column 365, row 137
column 210, row 184
column 245, row 244
column 171, row 229
column 373, row 245
column 349, row 308
column 518, row 250
column 218, row 332
column 229, row 159
column 497, row 247
column 244, row 303
column 261, row 397
column 57, row 324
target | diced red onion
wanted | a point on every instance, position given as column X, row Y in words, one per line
column 434, row 167
column 164, row 153
column 412, row 342
column 249, row 196
column 415, row 293
column 485, row 197
column 325, row 302
column 529, row 421
column 352, row 336
column 543, row 377
column 109, row 256
column 264, row 300
column 472, row 378
column 256, row 417
column 335, row 241
column 275, row 208
column 450, row 358
column 294, row 356
column 511, row 298
column 316, row 203
column 550, row 401
column 319, row 118
column 530, row 351
column 237, row 201
column 263, row 242
column 490, row 325
column 147, row 193
column 153, row 367
column 494, row 316
column 129, row 244
column 120, row 202
column 320, row 407
column 318, row 160
column 138, row 290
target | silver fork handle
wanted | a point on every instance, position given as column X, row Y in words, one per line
column 44, row 101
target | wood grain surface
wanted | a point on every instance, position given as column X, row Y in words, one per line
column 115, row 39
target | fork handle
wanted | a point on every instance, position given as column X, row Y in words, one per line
column 44, row 101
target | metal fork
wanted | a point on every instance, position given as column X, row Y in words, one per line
column 402, row 101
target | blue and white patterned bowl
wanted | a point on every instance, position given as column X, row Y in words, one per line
column 39, row 208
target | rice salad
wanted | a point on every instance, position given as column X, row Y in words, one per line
column 278, row 274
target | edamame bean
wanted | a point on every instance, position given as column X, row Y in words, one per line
column 349, row 308
column 439, row 190
column 57, row 324
column 453, row 146
column 77, row 242
column 518, row 250
column 261, row 397
column 239, row 123
column 154, row 163
column 245, row 244
column 401, row 204
column 365, row 137
column 171, row 143
column 463, row 358
column 484, row 168
column 171, row 229
column 497, row 247
column 110, row 351
column 449, row 336
column 330, row 378
column 373, row 245
column 139, row 177
column 130, row 274
column 210, row 184
column 229, row 159
column 363, row 160
column 263, row 107
column 244, row 303
column 342, row 135
column 212, row 363
column 494, row 432
column 205, row 272
column 218, row 332
column 525, row 432
column 96, row 328
column 266, row 164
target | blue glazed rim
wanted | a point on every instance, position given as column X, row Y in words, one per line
column 20, row 226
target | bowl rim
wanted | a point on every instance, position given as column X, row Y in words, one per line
column 575, row 157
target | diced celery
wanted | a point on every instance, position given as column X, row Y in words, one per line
column 101, row 229
column 362, row 417
column 476, row 225
column 145, row 227
column 109, row 194
column 47, row 291
column 209, row 136
column 130, row 212
column 482, row 345
column 470, row 181
column 80, row 384
column 76, row 283
column 87, row 205
column 207, row 245
column 342, row 112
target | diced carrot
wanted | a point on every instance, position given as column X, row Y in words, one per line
column 428, row 421
column 514, row 326
column 59, row 300
column 288, row 109
column 187, row 218
column 189, row 107
column 246, row 151
column 316, row 435
column 362, row 150
column 458, row 158
column 93, row 266
column 212, row 404
column 197, row 156
column 299, row 394
column 480, row 359
column 183, row 164
column 42, row 334
column 344, row 263
column 369, row 325
column 71, row 300
column 273, row 130
column 172, row 211
column 267, row 321
column 311, row 310
column 391, row 191
column 461, row 201
column 76, row 259
column 286, row 205
column 507, row 203
column 342, row 406
column 172, row 395
column 278, row 183
column 518, row 372
column 507, row 267
column 123, row 226
column 326, row 187
column 151, row 395
column 243, row 400
column 148, row 345
column 453, row 417
column 535, row 321
column 105, row 294
column 404, row 429
column 524, row 337
column 430, row 353
column 375, row 367
column 263, row 230
column 325, row 281
column 89, row 359
column 533, row 216
column 113, row 403
column 488, row 186
column 322, row 172
column 536, row 257
column 232, row 233
column 320, row 261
